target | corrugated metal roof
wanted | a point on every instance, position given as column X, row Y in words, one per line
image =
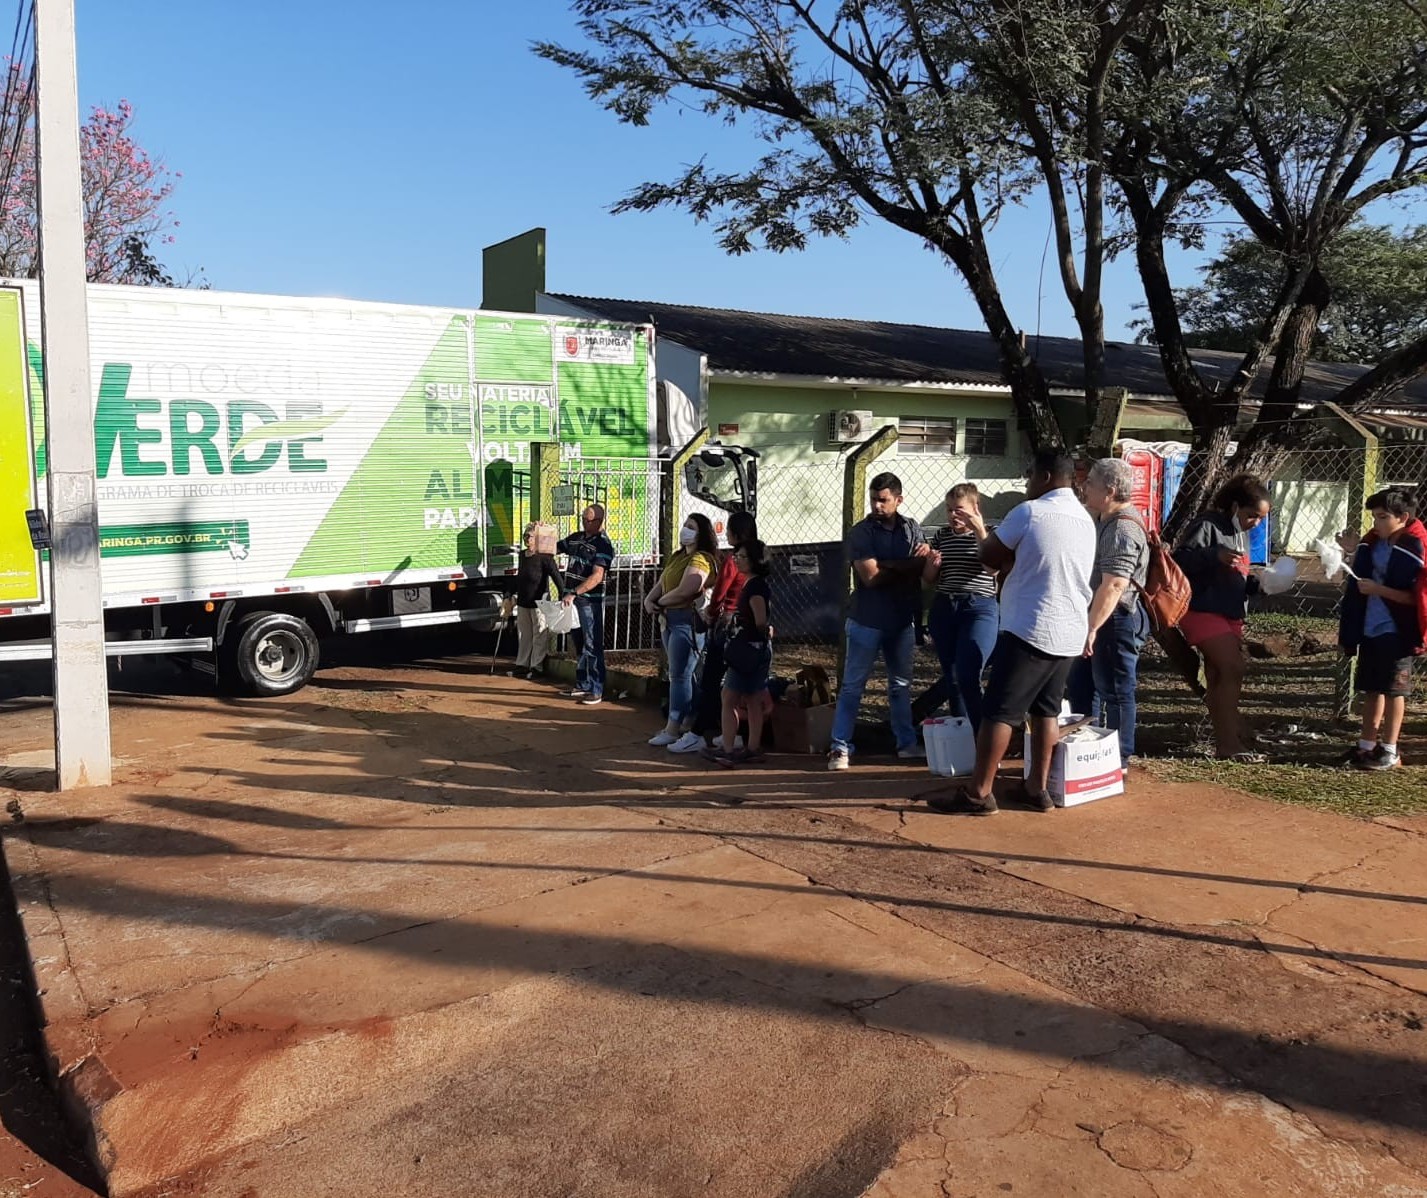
column 821, row 347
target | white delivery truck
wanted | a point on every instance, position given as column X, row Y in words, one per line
column 272, row 470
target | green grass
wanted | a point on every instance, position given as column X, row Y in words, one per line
column 1355, row 793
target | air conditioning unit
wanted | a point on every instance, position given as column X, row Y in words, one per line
column 844, row 427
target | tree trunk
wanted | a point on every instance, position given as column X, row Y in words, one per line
column 1029, row 390
column 1205, row 473
column 1262, row 448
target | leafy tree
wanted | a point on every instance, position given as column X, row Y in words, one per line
column 1296, row 118
column 933, row 117
column 125, row 192
column 1376, row 277
column 1139, row 120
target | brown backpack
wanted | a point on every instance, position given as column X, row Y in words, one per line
column 1165, row 594
column 1166, row 590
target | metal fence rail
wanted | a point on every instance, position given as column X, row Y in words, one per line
column 1317, row 496
column 629, row 490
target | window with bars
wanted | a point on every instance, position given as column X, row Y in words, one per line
column 986, row 438
column 917, row 435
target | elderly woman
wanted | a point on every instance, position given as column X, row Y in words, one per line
column 1119, row 625
column 674, row 599
column 535, row 575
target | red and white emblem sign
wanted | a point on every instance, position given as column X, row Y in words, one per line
column 572, row 346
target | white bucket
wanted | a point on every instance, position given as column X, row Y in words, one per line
column 951, row 746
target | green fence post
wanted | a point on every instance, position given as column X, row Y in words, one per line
column 670, row 516
column 854, row 507
column 544, row 478
column 1361, row 483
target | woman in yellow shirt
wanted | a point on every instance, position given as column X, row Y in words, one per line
column 674, row 599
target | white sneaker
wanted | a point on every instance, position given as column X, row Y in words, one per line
column 912, row 753
column 662, row 738
column 690, row 742
column 737, row 742
column 837, row 760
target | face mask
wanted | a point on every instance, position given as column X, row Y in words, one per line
column 687, row 535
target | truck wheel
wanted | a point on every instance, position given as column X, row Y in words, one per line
column 273, row 653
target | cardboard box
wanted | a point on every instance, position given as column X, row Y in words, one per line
column 802, row 729
column 544, row 537
column 1084, row 768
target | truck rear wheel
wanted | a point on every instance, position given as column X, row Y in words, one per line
column 273, row 653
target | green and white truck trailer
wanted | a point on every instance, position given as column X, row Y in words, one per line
column 273, row 470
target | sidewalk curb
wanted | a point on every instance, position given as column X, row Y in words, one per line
column 79, row 1076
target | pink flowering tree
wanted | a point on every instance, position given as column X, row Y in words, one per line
column 126, row 219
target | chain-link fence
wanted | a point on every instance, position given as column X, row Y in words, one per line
column 802, row 511
column 800, row 519
column 630, row 491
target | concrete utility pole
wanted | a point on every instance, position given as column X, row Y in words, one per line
column 82, row 755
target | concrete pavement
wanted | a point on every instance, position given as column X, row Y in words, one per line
column 427, row 931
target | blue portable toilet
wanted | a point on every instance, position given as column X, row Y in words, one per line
column 1175, row 461
column 1261, row 542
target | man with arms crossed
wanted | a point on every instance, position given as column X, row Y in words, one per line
column 888, row 554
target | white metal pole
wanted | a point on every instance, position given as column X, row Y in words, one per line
column 81, row 707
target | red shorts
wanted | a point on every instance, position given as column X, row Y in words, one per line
column 1201, row 626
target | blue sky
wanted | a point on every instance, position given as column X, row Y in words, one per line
column 370, row 150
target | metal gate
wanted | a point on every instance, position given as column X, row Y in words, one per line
column 630, row 491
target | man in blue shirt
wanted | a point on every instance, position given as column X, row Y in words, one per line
column 591, row 555
column 889, row 555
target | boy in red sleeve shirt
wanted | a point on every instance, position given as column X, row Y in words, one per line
column 1384, row 623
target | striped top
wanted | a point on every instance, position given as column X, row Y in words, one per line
column 961, row 570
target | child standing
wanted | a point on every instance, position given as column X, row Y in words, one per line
column 1384, row 623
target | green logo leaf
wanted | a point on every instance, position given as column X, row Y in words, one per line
column 285, row 430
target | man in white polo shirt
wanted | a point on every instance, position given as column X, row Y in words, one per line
column 1048, row 543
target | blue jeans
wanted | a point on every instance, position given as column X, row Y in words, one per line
column 682, row 652
column 589, row 640
column 863, row 646
column 1104, row 686
column 964, row 630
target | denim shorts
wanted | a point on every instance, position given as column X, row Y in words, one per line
column 750, row 682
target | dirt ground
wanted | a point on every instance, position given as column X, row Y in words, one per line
column 425, row 930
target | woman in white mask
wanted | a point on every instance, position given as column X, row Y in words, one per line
column 1214, row 557
column 673, row 599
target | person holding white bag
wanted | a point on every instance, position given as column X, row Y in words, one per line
column 535, row 575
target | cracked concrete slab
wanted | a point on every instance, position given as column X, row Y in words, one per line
column 1181, row 1130
column 380, row 938
column 1171, row 853
column 1380, row 900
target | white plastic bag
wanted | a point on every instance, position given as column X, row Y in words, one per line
column 1279, row 577
column 559, row 617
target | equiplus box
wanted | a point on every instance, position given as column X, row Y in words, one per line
column 1085, row 767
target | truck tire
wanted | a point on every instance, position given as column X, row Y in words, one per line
column 272, row 653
